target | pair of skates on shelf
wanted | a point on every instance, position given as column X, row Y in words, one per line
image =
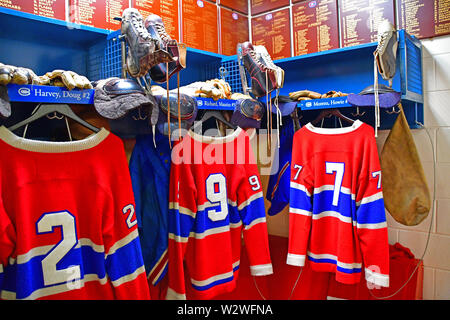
column 153, row 55
column 265, row 75
column 151, row 51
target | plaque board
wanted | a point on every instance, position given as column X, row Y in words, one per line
column 360, row 19
column 315, row 26
column 166, row 9
column 424, row 18
column 234, row 29
column 272, row 31
column 46, row 8
column 98, row 14
column 199, row 25
column 238, row 5
column 260, row 6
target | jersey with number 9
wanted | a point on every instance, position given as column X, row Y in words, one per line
column 212, row 202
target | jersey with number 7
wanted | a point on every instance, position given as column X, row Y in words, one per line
column 215, row 197
column 336, row 216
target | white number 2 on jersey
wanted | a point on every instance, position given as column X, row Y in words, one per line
column 130, row 210
column 217, row 197
column 47, row 224
column 338, row 168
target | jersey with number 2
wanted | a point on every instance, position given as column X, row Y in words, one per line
column 67, row 223
column 215, row 197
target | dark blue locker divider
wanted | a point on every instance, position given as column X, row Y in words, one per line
column 410, row 55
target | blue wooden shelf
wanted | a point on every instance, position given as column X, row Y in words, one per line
column 334, row 52
column 44, row 44
column 29, row 27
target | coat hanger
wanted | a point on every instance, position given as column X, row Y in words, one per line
column 327, row 113
column 45, row 109
column 216, row 115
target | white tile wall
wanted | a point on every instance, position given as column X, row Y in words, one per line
column 442, row 284
column 437, row 112
column 442, row 66
column 443, row 180
column 437, row 254
column 436, row 70
column 428, row 283
column 443, row 216
column 443, row 144
column 429, row 82
column 425, row 141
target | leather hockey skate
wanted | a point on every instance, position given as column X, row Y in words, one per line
column 141, row 46
column 167, row 46
column 386, row 51
column 267, row 60
column 258, row 71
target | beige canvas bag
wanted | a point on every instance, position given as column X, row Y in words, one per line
column 405, row 190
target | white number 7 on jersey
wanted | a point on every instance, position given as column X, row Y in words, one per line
column 299, row 168
column 339, row 168
column 376, row 174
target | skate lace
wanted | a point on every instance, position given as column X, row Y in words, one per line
column 382, row 41
column 162, row 33
column 258, row 62
column 142, row 32
column 268, row 60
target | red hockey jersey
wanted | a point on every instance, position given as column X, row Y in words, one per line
column 67, row 223
column 336, row 215
column 215, row 196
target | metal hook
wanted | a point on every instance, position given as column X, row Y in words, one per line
column 358, row 114
column 139, row 117
column 223, row 72
column 393, row 111
column 55, row 116
column 146, row 87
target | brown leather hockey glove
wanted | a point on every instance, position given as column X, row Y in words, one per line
column 17, row 75
column 68, row 79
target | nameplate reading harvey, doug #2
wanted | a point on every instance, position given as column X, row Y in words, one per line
column 49, row 94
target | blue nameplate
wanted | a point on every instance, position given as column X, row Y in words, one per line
column 221, row 104
column 49, row 94
column 325, row 103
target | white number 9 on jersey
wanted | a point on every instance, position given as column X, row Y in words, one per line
column 216, row 193
column 254, row 182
